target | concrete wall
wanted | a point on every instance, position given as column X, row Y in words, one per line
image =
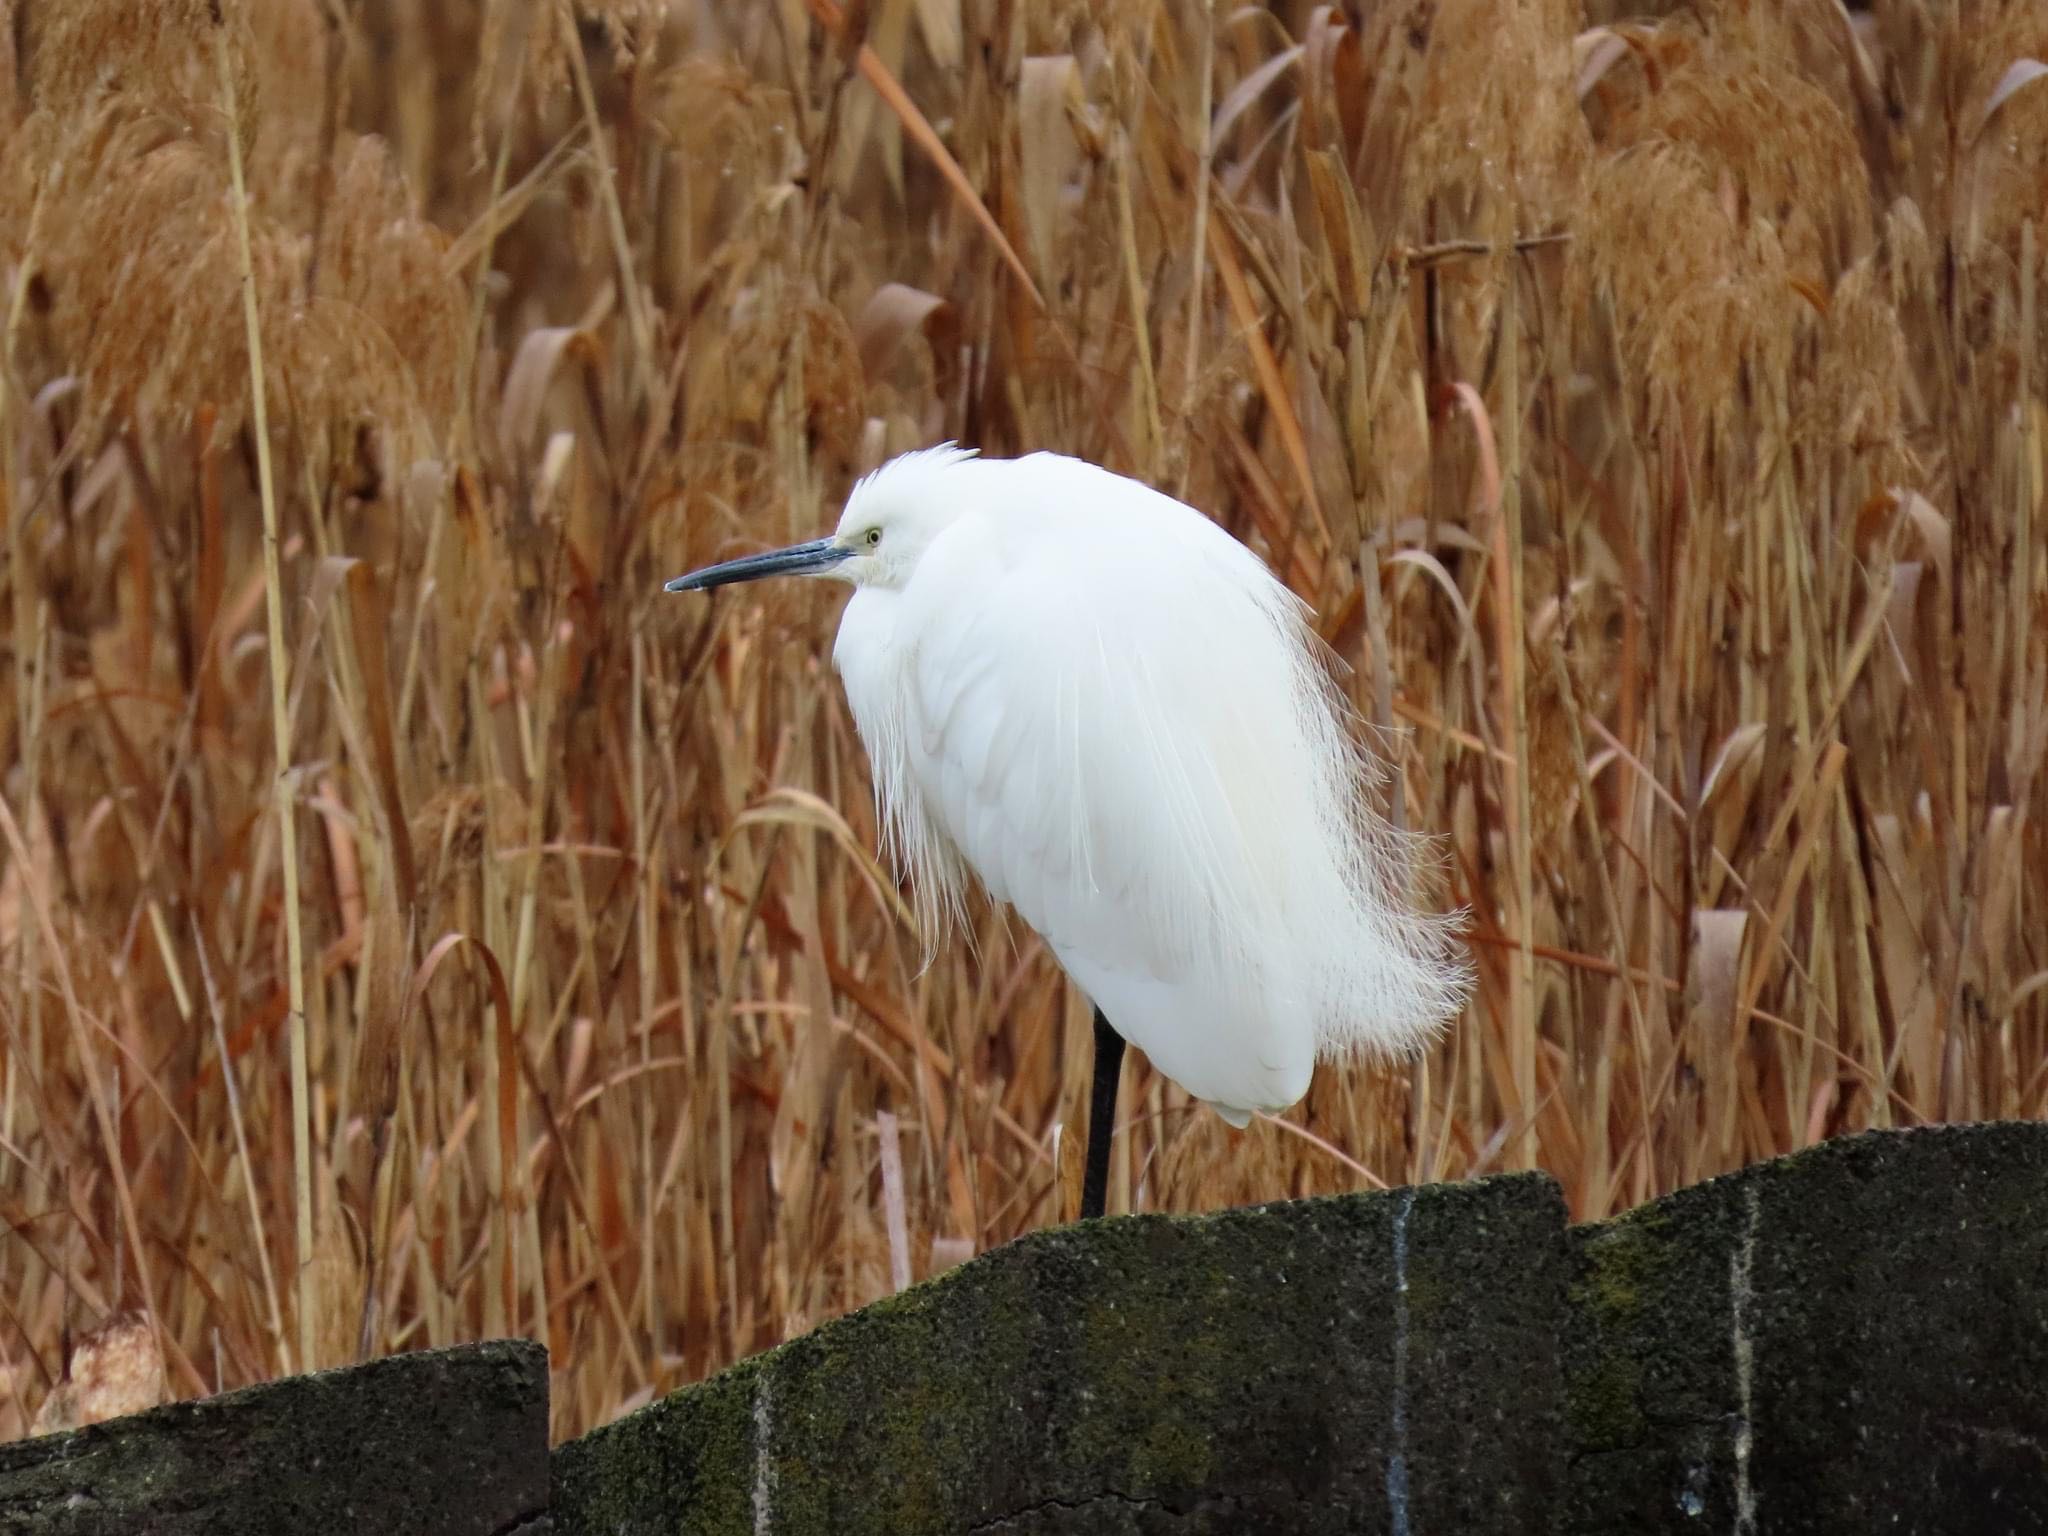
column 442, row 1443
column 1852, row 1339
column 1324, row 1366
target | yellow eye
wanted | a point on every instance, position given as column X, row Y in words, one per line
column 874, row 537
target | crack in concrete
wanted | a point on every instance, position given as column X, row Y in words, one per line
column 1069, row 1506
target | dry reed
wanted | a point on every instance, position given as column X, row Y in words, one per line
column 1676, row 382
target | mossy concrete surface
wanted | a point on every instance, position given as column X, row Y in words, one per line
column 1850, row 1339
column 440, row 1443
column 1378, row 1363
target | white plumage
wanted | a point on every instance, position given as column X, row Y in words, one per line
column 1113, row 714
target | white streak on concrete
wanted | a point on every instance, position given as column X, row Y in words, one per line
column 1741, row 1293
column 1397, row 1462
column 764, row 1463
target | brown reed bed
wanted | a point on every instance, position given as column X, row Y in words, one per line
column 1674, row 380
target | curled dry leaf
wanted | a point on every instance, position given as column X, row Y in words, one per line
column 1932, row 528
column 1433, row 568
column 1489, row 453
column 1594, row 52
column 1248, row 90
column 891, row 315
column 798, row 808
column 1737, row 750
column 2020, row 74
column 533, row 369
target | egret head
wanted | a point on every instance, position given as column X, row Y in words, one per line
column 889, row 521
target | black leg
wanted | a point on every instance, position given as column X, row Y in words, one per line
column 1109, row 1070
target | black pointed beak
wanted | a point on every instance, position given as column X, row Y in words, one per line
column 812, row 559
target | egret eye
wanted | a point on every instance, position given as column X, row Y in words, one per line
column 874, row 537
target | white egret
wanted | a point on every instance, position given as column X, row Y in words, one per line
column 1111, row 711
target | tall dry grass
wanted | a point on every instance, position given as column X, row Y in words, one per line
column 1674, row 381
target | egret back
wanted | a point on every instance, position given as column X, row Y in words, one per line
column 1114, row 713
